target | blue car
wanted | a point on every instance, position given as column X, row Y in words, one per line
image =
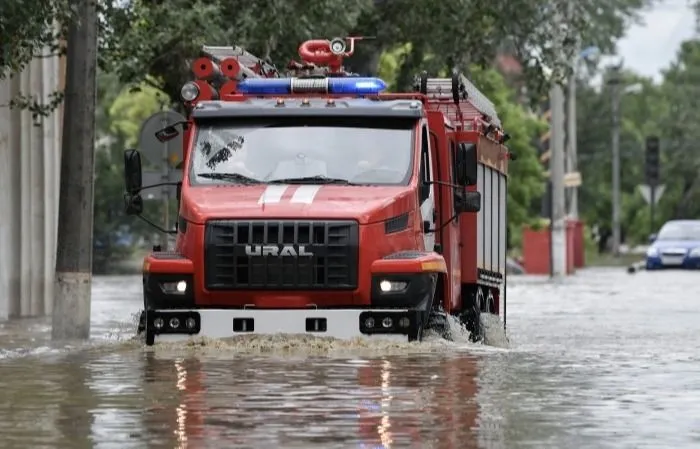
column 676, row 246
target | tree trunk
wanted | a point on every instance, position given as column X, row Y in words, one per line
column 71, row 311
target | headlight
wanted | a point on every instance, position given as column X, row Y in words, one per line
column 652, row 252
column 695, row 252
column 189, row 92
column 174, row 288
column 387, row 286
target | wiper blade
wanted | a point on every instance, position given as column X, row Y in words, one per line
column 312, row 180
column 230, row 177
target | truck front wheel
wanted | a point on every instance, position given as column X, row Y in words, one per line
column 142, row 323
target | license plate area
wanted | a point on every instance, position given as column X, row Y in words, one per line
column 672, row 260
column 243, row 325
column 316, row 325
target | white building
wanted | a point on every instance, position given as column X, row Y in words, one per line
column 29, row 192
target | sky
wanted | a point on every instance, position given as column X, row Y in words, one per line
column 651, row 46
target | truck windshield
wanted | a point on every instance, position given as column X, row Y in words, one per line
column 680, row 231
column 314, row 150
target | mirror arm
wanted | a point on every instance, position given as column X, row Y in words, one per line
column 442, row 226
column 152, row 186
column 447, row 184
column 164, row 231
column 455, row 216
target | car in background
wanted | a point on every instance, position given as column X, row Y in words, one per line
column 677, row 245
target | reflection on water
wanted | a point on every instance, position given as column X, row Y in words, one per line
column 142, row 399
column 597, row 362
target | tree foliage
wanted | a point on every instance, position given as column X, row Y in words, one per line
column 153, row 41
column 29, row 29
column 120, row 113
column 145, row 38
column 668, row 110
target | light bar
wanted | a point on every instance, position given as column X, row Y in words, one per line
column 283, row 86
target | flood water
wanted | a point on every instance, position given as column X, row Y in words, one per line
column 601, row 360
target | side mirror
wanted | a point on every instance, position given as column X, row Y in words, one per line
column 466, row 162
column 132, row 171
column 469, row 201
column 652, row 238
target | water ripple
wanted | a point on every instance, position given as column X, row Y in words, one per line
column 600, row 360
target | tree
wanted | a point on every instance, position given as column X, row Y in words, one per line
column 639, row 115
column 680, row 126
column 28, row 30
column 156, row 40
column 120, row 114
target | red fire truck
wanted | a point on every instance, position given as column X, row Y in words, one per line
column 313, row 202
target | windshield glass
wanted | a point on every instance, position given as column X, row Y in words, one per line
column 680, row 231
column 314, row 150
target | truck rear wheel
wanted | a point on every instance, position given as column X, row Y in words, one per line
column 471, row 315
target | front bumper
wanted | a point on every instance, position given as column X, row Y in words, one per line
column 345, row 324
column 683, row 263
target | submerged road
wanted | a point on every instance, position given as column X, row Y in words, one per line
column 601, row 360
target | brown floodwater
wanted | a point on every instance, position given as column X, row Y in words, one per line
column 600, row 360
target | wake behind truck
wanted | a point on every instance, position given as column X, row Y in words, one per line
column 312, row 202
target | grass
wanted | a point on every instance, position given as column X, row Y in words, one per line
column 593, row 259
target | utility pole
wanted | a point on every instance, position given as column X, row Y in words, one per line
column 73, row 284
column 614, row 82
column 571, row 132
column 571, row 152
column 557, row 162
column 556, row 170
column 651, row 172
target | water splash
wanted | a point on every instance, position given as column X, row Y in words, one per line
column 311, row 345
column 494, row 332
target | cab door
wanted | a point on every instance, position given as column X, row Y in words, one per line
column 427, row 192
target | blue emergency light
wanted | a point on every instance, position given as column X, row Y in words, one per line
column 285, row 86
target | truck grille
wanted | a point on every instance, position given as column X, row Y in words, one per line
column 281, row 254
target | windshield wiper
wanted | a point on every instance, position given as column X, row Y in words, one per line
column 236, row 177
column 312, row 180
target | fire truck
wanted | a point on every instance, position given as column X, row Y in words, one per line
column 314, row 202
